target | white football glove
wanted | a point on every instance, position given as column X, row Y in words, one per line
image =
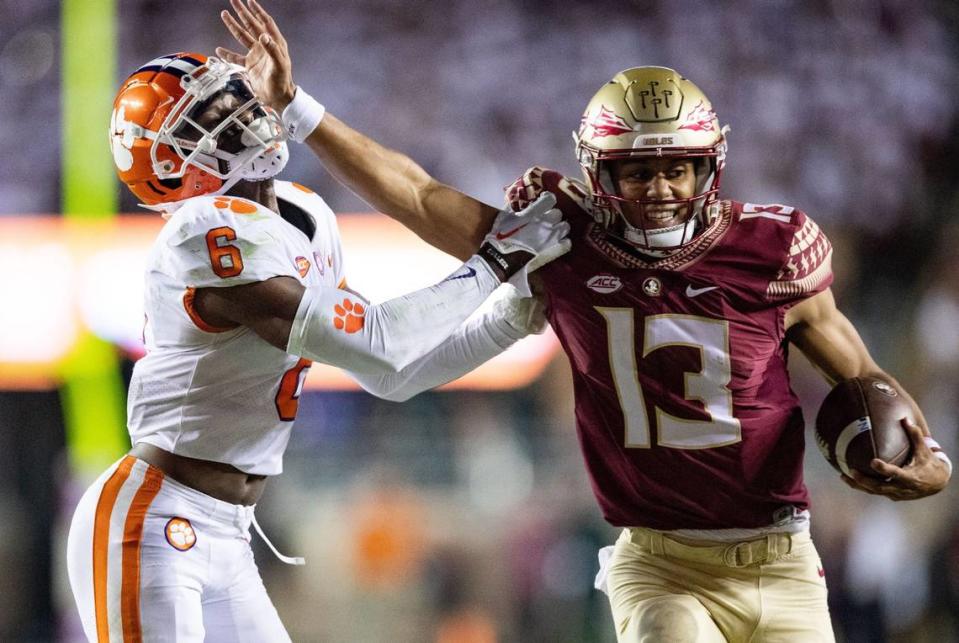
column 525, row 314
column 520, row 242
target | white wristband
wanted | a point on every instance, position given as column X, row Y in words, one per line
column 938, row 452
column 302, row 115
column 942, row 456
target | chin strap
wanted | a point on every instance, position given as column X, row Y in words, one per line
column 261, row 168
column 268, row 164
column 670, row 237
column 664, row 237
column 170, row 207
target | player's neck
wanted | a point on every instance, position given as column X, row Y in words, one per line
column 260, row 191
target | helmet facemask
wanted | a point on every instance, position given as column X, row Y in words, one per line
column 694, row 212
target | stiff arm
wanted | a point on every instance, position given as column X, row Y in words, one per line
column 340, row 328
column 397, row 186
column 388, row 180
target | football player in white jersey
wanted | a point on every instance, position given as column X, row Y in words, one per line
column 244, row 287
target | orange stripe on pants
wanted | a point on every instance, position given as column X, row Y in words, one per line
column 132, row 537
column 101, row 543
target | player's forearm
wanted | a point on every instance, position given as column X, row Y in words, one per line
column 836, row 354
column 389, row 181
column 338, row 328
column 828, row 339
column 473, row 344
column 397, row 186
column 833, row 345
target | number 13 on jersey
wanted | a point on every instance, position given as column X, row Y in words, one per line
column 709, row 386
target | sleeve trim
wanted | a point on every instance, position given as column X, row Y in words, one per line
column 188, row 305
column 787, row 289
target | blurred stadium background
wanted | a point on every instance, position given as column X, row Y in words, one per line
column 465, row 515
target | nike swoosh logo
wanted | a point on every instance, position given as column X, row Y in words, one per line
column 695, row 292
column 506, row 235
column 470, row 272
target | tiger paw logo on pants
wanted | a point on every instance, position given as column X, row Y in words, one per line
column 180, row 534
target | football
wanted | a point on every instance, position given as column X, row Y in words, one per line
column 860, row 420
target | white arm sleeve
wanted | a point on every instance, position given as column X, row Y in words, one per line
column 339, row 328
column 473, row 343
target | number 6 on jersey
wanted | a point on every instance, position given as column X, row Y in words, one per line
column 225, row 259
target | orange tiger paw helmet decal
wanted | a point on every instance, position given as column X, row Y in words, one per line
column 349, row 316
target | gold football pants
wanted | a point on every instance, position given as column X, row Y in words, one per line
column 667, row 589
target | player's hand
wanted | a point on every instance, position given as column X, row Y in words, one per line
column 521, row 242
column 923, row 476
column 267, row 59
column 526, row 314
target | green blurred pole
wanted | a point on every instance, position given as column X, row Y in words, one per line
column 92, row 391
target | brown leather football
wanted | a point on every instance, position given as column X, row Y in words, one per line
column 860, row 420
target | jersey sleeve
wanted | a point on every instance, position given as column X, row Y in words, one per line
column 223, row 242
column 807, row 269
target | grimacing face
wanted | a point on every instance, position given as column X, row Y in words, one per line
column 654, row 178
column 210, row 114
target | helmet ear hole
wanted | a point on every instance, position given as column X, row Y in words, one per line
column 172, row 184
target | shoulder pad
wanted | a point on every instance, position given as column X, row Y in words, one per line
column 809, row 249
column 310, row 205
column 771, row 211
column 793, row 248
column 807, row 268
column 537, row 180
column 199, row 214
column 299, row 195
column 224, row 241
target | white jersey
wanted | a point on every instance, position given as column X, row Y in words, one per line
column 225, row 394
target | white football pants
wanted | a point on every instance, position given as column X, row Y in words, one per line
column 151, row 559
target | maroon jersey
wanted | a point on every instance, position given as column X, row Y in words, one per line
column 683, row 406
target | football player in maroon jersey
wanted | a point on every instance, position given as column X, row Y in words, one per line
column 675, row 309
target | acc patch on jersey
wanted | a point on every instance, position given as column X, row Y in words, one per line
column 605, row 283
column 180, row 534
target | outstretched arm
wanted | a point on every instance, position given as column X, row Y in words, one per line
column 395, row 185
column 389, row 181
column 340, row 328
column 833, row 345
column 476, row 341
